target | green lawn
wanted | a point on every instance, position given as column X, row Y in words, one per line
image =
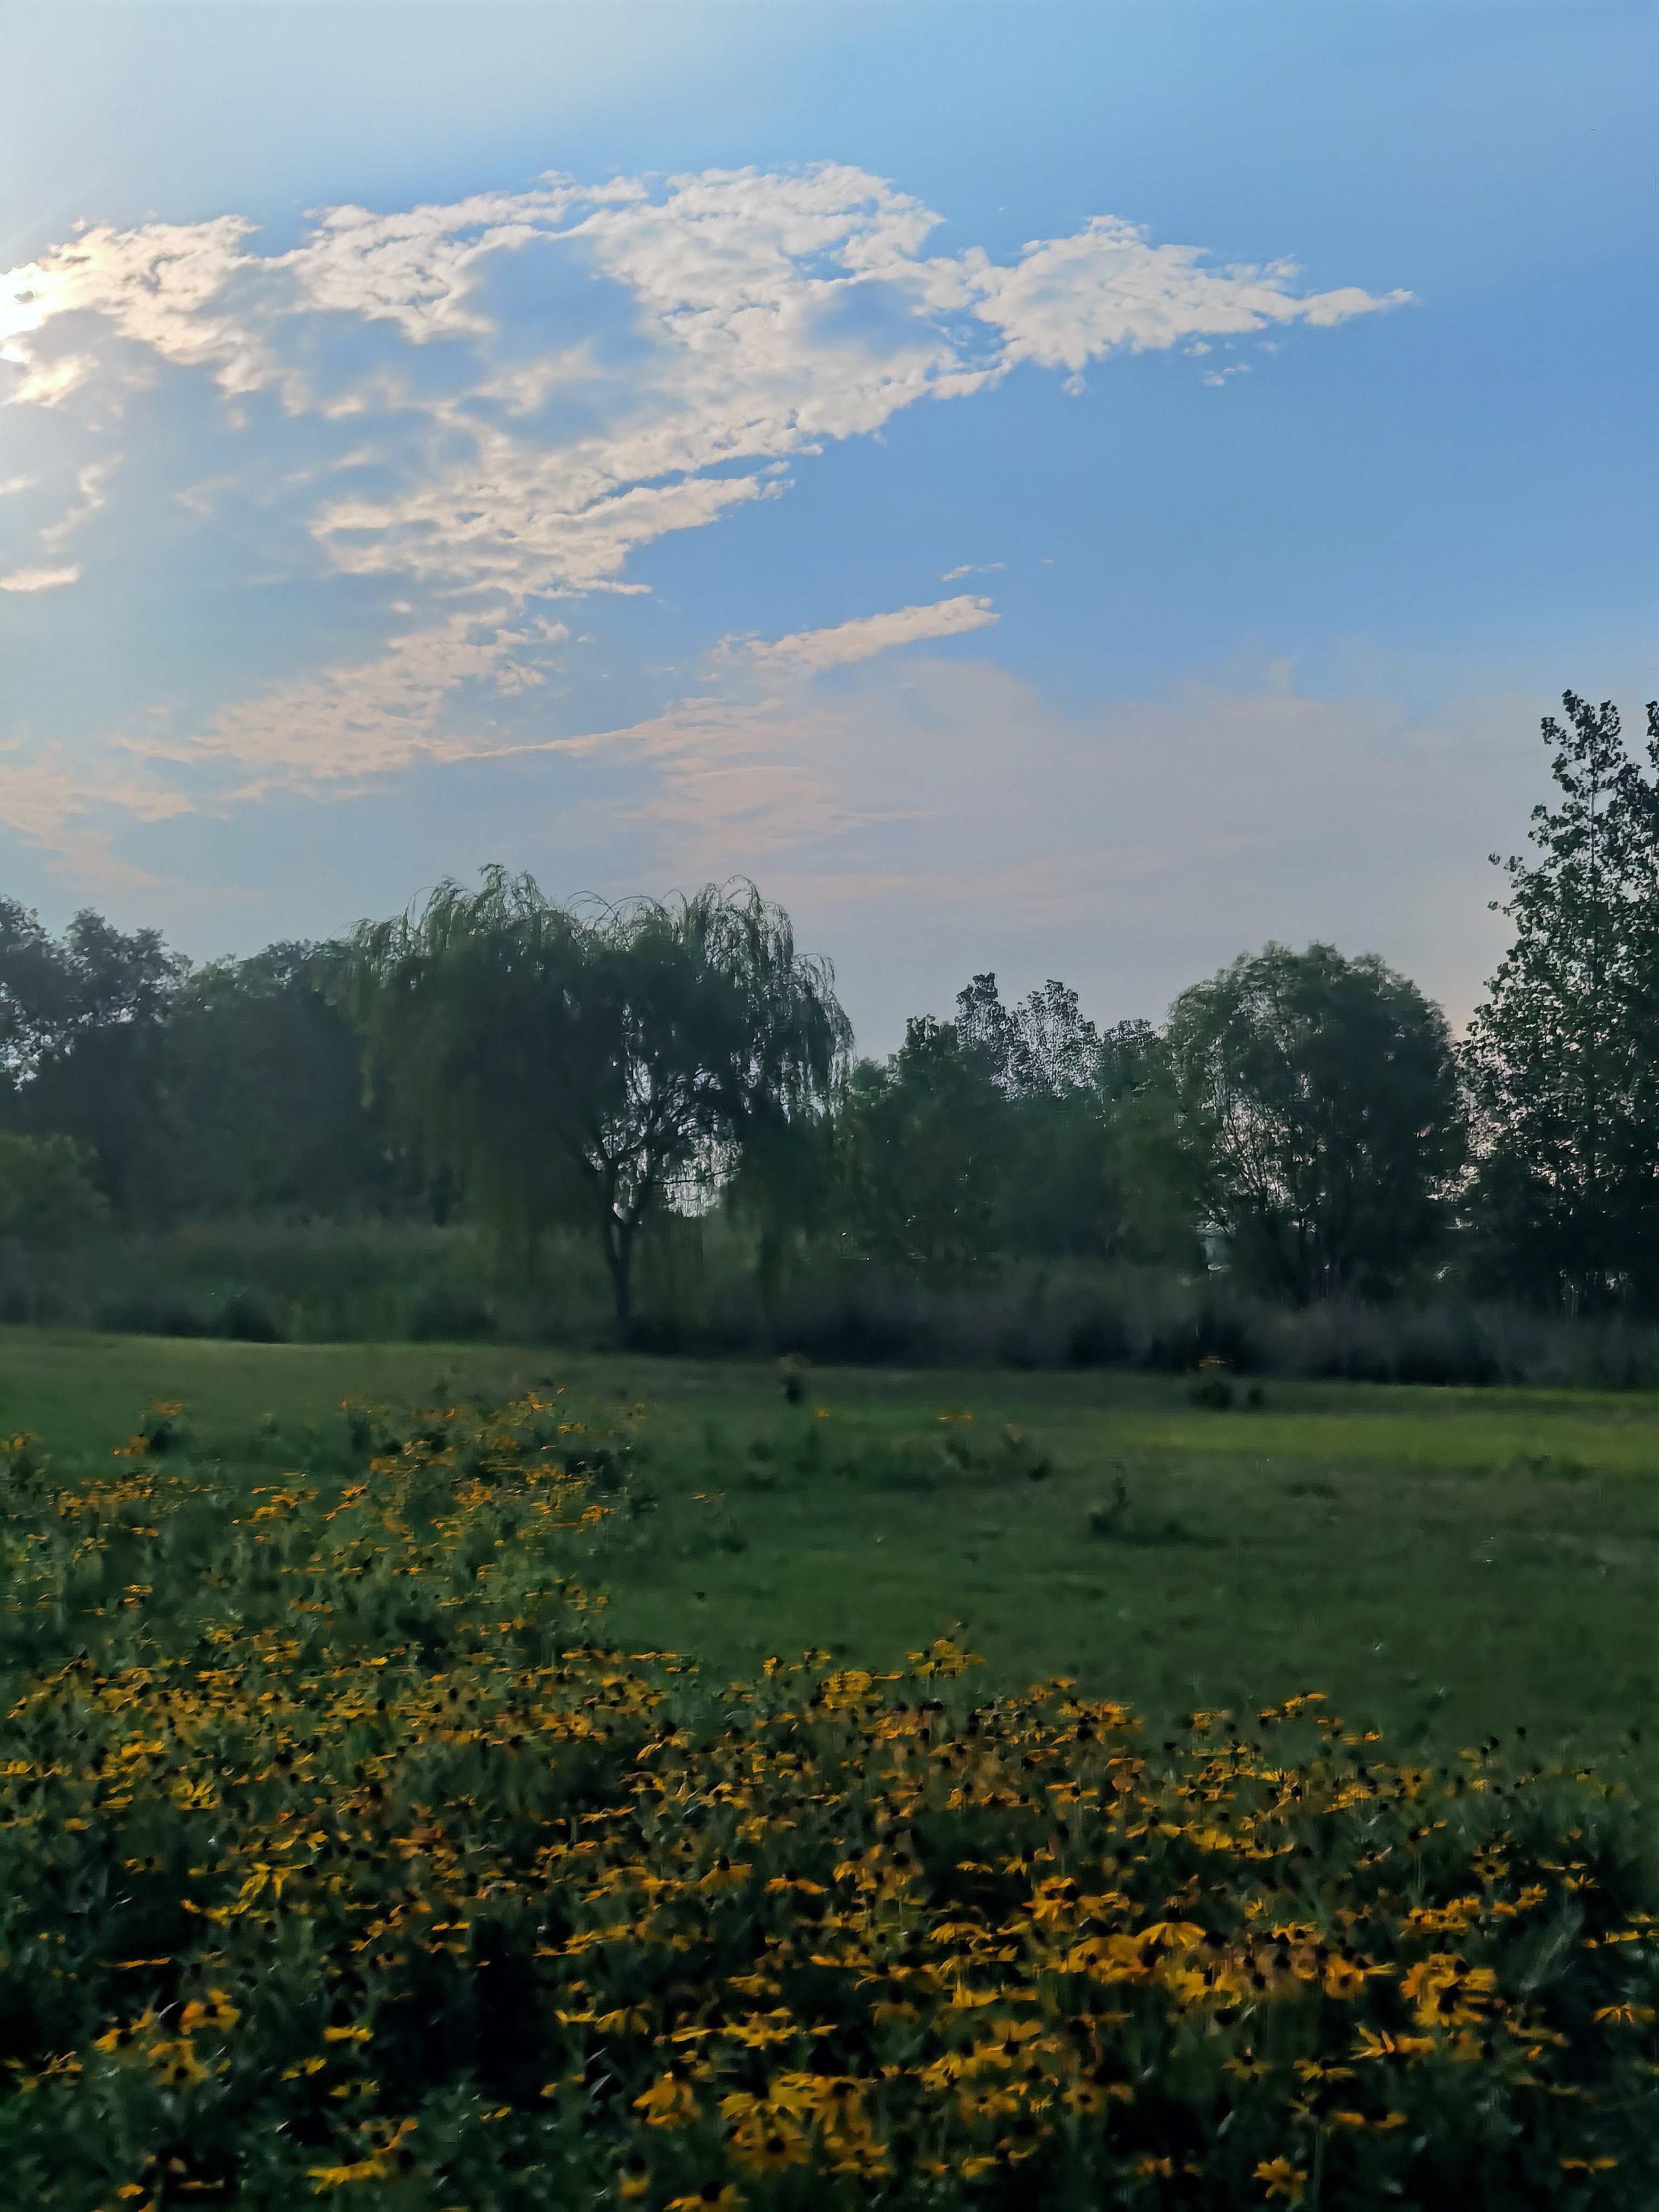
column 1446, row 1563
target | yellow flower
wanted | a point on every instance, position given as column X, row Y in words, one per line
column 867, row 2160
column 1281, row 2179
column 1246, row 2066
column 769, row 2147
column 724, row 1875
column 711, row 2197
column 668, row 2102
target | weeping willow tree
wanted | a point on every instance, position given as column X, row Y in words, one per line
column 587, row 1066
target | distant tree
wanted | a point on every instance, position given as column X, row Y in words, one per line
column 1564, row 1054
column 81, row 1025
column 592, row 1065
column 926, row 1142
column 39, row 994
column 48, row 1201
column 1042, row 1047
column 264, row 1093
column 1322, row 1095
column 1094, row 1164
column 786, row 1191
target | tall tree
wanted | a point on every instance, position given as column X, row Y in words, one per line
column 1564, row 1054
column 265, row 1091
column 1324, row 1094
column 1093, row 1166
column 81, row 1021
column 928, row 1146
column 48, row 1203
column 1042, row 1047
column 592, row 1065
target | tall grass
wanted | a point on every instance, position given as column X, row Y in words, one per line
column 698, row 1293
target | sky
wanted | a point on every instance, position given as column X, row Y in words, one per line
column 1071, row 491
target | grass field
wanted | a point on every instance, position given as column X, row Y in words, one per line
column 347, row 1845
column 1443, row 1564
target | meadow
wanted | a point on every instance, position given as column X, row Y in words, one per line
column 1442, row 1563
column 459, row 1782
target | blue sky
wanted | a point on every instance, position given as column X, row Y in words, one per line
column 1072, row 490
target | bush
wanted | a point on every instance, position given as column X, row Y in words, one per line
column 246, row 1321
column 48, row 1200
column 445, row 1315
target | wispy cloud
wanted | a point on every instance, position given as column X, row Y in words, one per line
column 38, row 580
column 810, row 652
column 910, row 814
column 330, row 733
column 90, row 485
column 970, row 569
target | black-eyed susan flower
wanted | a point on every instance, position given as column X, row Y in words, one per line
column 1282, row 2182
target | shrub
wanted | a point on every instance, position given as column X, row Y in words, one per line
column 247, row 1321
column 445, row 1315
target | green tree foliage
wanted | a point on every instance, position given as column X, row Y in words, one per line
column 592, row 1065
column 1095, row 1168
column 1563, row 1055
column 1043, row 1047
column 264, row 1092
column 81, row 1022
column 1323, row 1096
column 926, row 1144
column 47, row 1199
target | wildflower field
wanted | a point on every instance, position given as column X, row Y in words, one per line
column 355, row 1845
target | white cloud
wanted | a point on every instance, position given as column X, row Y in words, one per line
column 765, row 312
column 89, row 482
column 810, row 652
column 164, row 287
column 48, row 800
column 331, row 732
column 38, row 580
column 970, row 569
column 704, row 334
column 1071, row 300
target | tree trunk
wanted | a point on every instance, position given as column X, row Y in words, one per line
column 620, row 1256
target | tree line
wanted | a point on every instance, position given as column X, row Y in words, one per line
column 1303, row 1118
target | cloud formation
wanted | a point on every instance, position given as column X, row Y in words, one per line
column 527, row 388
column 808, row 653
column 38, row 580
column 769, row 312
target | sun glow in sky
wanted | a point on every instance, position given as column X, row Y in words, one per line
column 1071, row 491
